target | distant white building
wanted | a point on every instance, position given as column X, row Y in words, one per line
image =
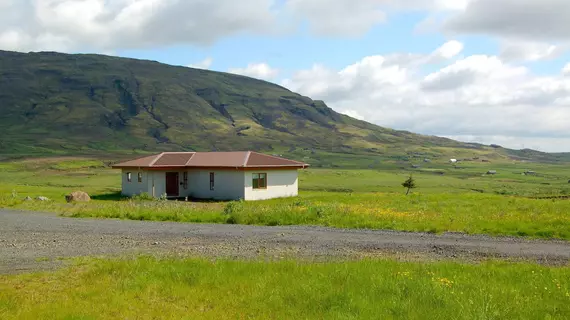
column 211, row 175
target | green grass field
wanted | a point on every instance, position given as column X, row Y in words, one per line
column 459, row 200
column 146, row 288
column 447, row 199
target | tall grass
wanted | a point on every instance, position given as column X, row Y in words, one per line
column 147, row 288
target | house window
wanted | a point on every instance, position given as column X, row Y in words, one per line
column 139, row 177
column 211, row 181
column 129, row 177
column 260, row 181
column 185, row 180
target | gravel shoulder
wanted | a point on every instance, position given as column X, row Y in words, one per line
column 35, row 241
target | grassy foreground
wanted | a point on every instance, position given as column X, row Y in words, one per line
column 500, row 205
column 147, row 288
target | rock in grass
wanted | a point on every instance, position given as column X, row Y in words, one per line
column 28, row 198
column 42, row 198
column 78, row 196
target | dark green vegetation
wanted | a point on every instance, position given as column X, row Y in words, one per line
column 58, row 104
column 463, row 200
column 409, row 184
column 147, row 288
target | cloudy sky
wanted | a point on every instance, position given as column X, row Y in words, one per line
column 492, row 71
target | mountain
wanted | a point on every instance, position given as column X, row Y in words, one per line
column 55, row 103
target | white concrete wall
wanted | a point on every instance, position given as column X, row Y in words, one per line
column 280, row 184
column 158, row 178
column 228, row 184
column 134, row 187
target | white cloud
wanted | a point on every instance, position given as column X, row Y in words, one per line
column 256, row 70
column 367, row 74
column 452, row 4
column 550, row 144
column 528, row 20
column 339, row 17
column 12, row 40
column 450, row 49
column 566, row 69
column 353, row 18
column 6, row 3
column 204, row 64
column 468, row 71
column 353, row 114
column 114, row 24
column 430, row 5
column 529, row 51
column 478, row 95
column 118, row 24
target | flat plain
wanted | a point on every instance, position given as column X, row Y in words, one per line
column 461, row 198
column 460, row 201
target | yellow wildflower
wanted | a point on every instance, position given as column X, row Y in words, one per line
column 444, row 281
column 405, row 274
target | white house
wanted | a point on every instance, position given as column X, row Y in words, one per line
column 211, row 175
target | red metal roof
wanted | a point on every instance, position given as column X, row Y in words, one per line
column 175, row 159
column 262, row 160
column 238, row 159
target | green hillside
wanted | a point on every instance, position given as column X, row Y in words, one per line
column 60, row 104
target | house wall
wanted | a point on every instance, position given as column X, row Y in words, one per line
column 228, row 184
column 280, row 184
column 134, row 187
column 158, row 178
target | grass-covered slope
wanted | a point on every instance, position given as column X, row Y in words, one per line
column 54, row 103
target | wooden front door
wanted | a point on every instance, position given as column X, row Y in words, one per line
column 172, row 181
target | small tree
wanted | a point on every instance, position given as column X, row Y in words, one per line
column 410, row 184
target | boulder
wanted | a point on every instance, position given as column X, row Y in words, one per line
column 28, row 198
column 42, row 198
column 77, row 196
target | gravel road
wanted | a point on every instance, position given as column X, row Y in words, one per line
column 32, row 241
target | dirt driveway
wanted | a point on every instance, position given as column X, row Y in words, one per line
column 31, row 241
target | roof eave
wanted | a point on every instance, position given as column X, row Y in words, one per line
column 303, row 166
column 280, row 166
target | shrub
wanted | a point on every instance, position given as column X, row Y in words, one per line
column 143, row 197
column 233, row 207
column 409, row 184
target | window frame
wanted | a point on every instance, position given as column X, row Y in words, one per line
column 259, row 179
column 139, row 177
column 185, row 179
column 212, row 181
column 129, row 177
